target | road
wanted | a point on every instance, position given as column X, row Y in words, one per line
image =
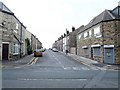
column 57, row 70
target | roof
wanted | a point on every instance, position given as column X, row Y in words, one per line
column 106, row 15
column 5, row 9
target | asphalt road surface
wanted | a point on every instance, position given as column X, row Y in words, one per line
column 57, row 70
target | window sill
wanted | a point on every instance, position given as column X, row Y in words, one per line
column 15, row 53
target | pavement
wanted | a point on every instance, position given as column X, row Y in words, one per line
column 23, row 61
column 92, row 63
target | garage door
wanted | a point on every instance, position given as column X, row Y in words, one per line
column 109, row 55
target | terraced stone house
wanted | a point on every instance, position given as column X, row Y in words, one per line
column 100, row 39
column 11, row 35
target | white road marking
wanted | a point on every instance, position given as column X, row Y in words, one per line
column 76, row 68
column 85, row 68
column 67, row 68
column 17, row 67
column 94, row 68
column 56, row 58
column 35, row 79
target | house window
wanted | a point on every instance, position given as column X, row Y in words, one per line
column 90, row 33
column 79, row 36
column 86, row 34
column 96, row 51
column 15, row 48
column 17, row 26
column 97, row 32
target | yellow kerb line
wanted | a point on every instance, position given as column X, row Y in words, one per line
column 34, row 61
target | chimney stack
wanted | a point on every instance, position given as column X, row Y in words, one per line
column 73, row 29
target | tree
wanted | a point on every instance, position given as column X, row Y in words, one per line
column 28, row 45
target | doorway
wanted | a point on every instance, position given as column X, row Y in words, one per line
column 109, row 55
column 5, row 50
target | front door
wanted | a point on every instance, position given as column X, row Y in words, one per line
column 5, row 51
column 91, row 53
column 109, row 55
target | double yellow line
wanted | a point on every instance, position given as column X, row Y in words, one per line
column 33, row 61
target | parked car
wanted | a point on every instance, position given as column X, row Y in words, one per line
column 54, row 50
column 38, row 53
column 43, row 49
column 50, row 48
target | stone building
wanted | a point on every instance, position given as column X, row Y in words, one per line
column 99, row 40
column 73, row 40
column 11, row 34
column 54, row 45
column 22, row 39
column 59, row 43
column 64, row 43
column 15, row 40
column 39, row 44
column 28, row 42
column 33, row 42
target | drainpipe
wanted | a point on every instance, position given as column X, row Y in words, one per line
column 21, row 41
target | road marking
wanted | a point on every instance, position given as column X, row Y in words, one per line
column 81, row 68
column 17, row 67
column 85, row 68
column 34, row 61
column 35, row 79
column 56, row 58
column 94, row 68
column 67, row 68
column 95, row 80
column 31, row 60
column 76, row 68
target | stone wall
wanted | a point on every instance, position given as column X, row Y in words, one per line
column 0, row 43
column 9, row 30
column 0, row 36
column 73, row 50
column 110, row 35
column 111, row 31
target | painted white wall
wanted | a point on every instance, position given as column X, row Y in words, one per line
column 64, row 44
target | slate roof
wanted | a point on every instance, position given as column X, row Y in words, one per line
column 106, row 15
column 5, row 9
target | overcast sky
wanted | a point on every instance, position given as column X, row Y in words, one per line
column 48, row 19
